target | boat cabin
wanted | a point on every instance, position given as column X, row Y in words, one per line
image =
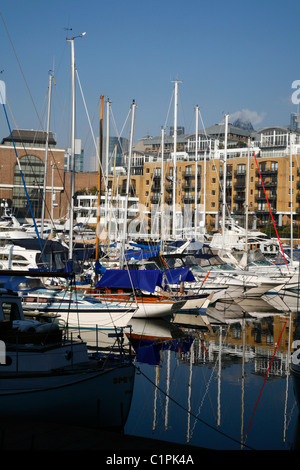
column 10, row 306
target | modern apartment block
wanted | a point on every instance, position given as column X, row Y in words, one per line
column 261, row 177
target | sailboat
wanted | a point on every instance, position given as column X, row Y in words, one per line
column 142, row 288
column 66, row 306
column 46, row 377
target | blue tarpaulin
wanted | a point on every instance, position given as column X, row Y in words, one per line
column 144, row 279
column 129, row 279
column 176, row 276
column 139, row 255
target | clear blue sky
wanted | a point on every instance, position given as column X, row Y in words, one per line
column 230, row 56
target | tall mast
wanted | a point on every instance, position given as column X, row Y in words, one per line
column 196, row 174
column 99, row 179
column 204, row 185
column 247, row 200
column 72, row 183
column 162, row 189
column 175, row 158
column 107, row 160
column 46, row 154
column 122, row 257
column 291, row 201
column 224, row 177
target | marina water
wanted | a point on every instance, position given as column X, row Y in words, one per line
column 228, row 387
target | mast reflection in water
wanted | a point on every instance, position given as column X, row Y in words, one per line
column 224, row 387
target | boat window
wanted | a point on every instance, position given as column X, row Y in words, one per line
column 151, row 266
column 19, row 257
column 11, row 311
column 21, row 263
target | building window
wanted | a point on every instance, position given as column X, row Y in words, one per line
column 241, row 169
column 33, row 172
column 274, row 166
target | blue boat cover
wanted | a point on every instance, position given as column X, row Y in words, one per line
column 145, row 279
column 139, row 255
column 130, row 279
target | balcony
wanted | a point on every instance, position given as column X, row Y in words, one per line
column 266, row 172
column 267, row 184
column 154, row 199
column 239, row 185
column 188, row 187
column 239, row 198
column 262, row 198
column 239, row 173
column 188, row 200
column 265, row 210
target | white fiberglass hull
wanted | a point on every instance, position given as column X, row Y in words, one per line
column 83, row 314
column 112, row 318
column 147, row 308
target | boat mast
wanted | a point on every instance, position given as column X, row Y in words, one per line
column 247, row 202
column 99, row 179
column 196, row 175
column 46, row 154
column 291, row 201
column 107, row 162
column 122, row 257
column 162, row 189
column 204, row 186
column 72, row 168
column 175, row 158
column 224, row 178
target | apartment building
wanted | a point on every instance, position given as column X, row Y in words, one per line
column 263, row 177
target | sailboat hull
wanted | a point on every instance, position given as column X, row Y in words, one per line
column 90, row 398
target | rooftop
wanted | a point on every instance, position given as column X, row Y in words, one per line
column 29, row 137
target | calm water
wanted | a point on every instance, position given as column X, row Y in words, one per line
column 223, row 387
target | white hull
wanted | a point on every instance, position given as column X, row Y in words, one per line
column 77, row 312
column 93, row 319
column 155, row 308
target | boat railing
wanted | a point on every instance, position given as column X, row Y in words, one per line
column 104, row 343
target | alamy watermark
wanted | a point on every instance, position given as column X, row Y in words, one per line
column 2, row 93
column 156, row 221
column 296, row 93
column 2, row 353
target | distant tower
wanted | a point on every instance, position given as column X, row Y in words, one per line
column 295, row 122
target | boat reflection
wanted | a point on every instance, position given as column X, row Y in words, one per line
column 225, row 385
column 203, row 395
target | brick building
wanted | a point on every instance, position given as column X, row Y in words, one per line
column 28, row 147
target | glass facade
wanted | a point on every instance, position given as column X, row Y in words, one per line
column 33, row 172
